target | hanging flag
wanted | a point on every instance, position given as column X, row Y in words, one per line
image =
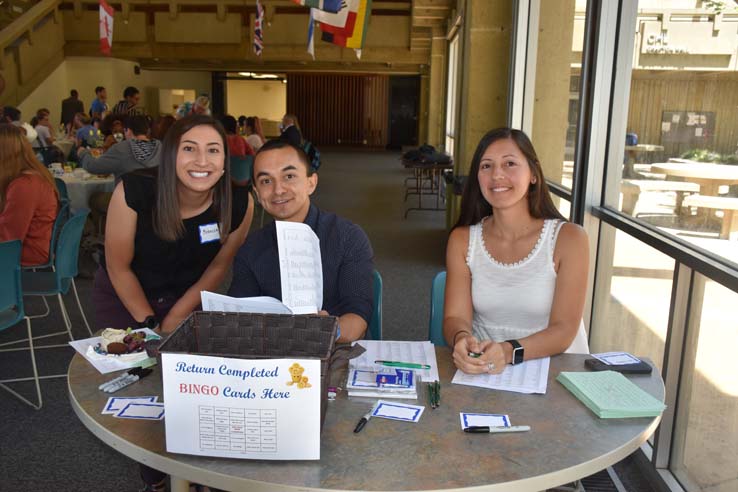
column 106, row 27
column 356, row 39
column 348, row 27
column 311, row 35
column 339, row 18
column 258, row 29
column 324, row 5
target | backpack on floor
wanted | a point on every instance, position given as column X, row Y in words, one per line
column 313, row 154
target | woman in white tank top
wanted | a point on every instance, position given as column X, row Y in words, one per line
column 516, row 270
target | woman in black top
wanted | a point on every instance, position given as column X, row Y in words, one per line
column 171, row 232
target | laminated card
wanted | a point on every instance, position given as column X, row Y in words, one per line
column 267, row 409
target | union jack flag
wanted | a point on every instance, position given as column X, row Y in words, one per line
column 258, row 26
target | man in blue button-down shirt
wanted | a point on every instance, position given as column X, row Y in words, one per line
column 284, row 181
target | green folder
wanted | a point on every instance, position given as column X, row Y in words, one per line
column 610, row 395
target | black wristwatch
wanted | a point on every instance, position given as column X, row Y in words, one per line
column 150, row 322
column 518, row 351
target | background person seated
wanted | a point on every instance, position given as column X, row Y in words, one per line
column 254, row 133
column 290, row 130
column 284, row 181
column 29, row 200
column 201, row 105
column 12, row 115
column 112, row 129
column 136, row 152
column 516, row 270
column 237, row 145
column 86, row 134
column 45, row 130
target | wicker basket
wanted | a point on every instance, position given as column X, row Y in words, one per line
column 259, row 336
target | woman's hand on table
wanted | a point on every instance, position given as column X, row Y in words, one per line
column 491, row 358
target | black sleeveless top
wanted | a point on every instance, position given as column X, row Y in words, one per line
column 166, row 268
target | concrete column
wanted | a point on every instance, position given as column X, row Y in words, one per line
column 484, row 67
column 437, row 91
column 553, row 73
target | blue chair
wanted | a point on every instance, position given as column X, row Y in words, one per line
column 58, row 281
column 61, row 186
column 438, row 293
column 61, row 218
column 241, row 167
column 11, row 311
column 375, row 326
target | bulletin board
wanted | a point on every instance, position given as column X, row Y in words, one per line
column 694, row 128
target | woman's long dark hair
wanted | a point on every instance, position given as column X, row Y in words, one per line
column 474, row 207
column 168, row 223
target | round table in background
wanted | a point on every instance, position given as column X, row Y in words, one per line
column 566, row 441
column 81, row 189
column 65, row 145
column 706, row 174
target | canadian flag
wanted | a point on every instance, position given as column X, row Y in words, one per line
column 106, row 27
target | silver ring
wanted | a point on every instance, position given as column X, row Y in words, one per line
column 491, row 366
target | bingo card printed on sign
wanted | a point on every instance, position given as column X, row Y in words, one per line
column 237, row 408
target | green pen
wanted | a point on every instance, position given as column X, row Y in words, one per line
column 406, row 365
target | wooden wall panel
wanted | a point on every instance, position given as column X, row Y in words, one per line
column 337, row 109
column 376, row 110
column 651, row 95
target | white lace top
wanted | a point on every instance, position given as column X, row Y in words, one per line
column 512, row 301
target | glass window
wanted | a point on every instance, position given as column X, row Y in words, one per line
column 553, row 128
column 451, row 95
column 563, row 205
column 632, row 297
column 677, row 166
column 706, row 437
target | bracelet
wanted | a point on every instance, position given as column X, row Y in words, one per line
column 457, row 334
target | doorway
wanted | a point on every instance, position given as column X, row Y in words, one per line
column 403, row 111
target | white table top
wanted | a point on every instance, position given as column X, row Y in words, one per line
column 81, row 189
column 645, row 148
column 698, row 170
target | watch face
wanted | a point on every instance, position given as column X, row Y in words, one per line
column 517, row 355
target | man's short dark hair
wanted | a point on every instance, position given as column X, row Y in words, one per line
column 138, row 124
column 99, row 89
column 11, row 113
column 229, row 123
column 281, row 144
column 74, row 93
column 130, row 91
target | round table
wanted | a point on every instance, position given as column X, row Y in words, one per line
column 708, row 175
column 566, row 441
column 81, row 189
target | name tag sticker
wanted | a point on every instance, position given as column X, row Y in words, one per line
column 209, row 233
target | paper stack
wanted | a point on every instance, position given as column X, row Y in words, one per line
column 385, row 383
column 530, row 376
column 422, row 353
column 610, row 395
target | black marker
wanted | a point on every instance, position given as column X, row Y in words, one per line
column 363, row 420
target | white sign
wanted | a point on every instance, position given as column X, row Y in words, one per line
column 659, row 44
column 300, row 267
column 266, row 409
